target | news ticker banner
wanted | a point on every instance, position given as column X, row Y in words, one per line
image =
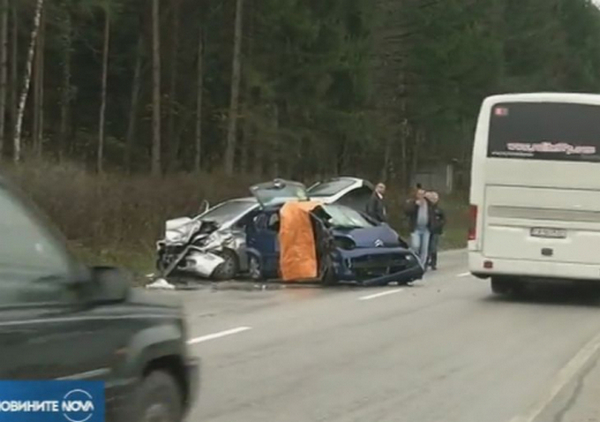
column 52, row 401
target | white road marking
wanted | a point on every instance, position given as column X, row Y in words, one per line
column 218, row 335
column 376, row 295
column 464, row 275
column 564, row 376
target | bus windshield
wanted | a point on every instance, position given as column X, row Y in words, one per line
column 545, row 131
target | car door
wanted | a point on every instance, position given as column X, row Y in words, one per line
column 239, row 233
column 47, row 329
column 262, row 238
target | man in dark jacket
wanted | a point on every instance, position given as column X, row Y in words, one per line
column 418, row 211
column 376, row 207
column 437, row 228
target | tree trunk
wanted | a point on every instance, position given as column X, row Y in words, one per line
column 200, row 88
column 102, row 120
column 174, row 142
column 247, row 138
column 14, row 69
column 135, row 100
column 419, row 140
column 38, row 91
column 156, row 141
column 235, row 91
column 387, row 158
column 65, row 101
column 404, row 155
column 41, row 115
column 248, row 130
column 3, row 69
column 274, row 144
column 26, row 81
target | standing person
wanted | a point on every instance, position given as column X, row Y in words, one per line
column 437, row 228
column 376, row 207
column 418, row 211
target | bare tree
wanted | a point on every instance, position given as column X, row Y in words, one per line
column 26, row 81
column 14, row 66
column 66, row 91
column 135, row 100
column 173, row 143
column 248, row 141
column 156, row 90
column 200, row 88
column 235, row 91
column 3, row 68
column 102, row 120
column 38, row 90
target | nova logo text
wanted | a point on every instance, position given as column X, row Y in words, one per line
column 77, row 406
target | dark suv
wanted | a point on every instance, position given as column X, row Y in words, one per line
column 61, row 320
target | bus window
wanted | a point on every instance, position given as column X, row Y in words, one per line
column 545, row 131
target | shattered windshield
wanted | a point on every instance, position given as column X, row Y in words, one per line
column 345, row 217
column 227, row 211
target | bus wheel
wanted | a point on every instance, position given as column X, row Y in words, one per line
column 501, row 286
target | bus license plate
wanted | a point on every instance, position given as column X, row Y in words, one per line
column 548, row 233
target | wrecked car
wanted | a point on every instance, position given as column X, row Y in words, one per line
column 296, row 239
column 213, row 244
column 209, row 245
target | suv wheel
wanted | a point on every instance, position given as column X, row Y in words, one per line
column 160, row 399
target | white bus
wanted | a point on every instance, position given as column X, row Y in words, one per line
column 535, row 190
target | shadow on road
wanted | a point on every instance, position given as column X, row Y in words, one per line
column 553, row 295
column 190, row 283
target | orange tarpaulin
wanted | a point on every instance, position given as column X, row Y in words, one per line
column 297, row 249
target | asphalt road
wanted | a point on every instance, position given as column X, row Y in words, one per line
column 443, row 350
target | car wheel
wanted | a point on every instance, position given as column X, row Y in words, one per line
column 159, row 399
column 501, row 286
column 254, row 268
column 228, row 269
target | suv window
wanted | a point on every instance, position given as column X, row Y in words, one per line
column 32, row 262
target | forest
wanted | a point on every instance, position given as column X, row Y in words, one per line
column 131, row 111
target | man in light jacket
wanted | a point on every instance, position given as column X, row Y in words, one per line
column 419, row 213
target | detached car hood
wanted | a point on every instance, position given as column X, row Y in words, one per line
column 374, row 237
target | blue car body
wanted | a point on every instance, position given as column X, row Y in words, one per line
column 378, row 257
column 370, row 255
